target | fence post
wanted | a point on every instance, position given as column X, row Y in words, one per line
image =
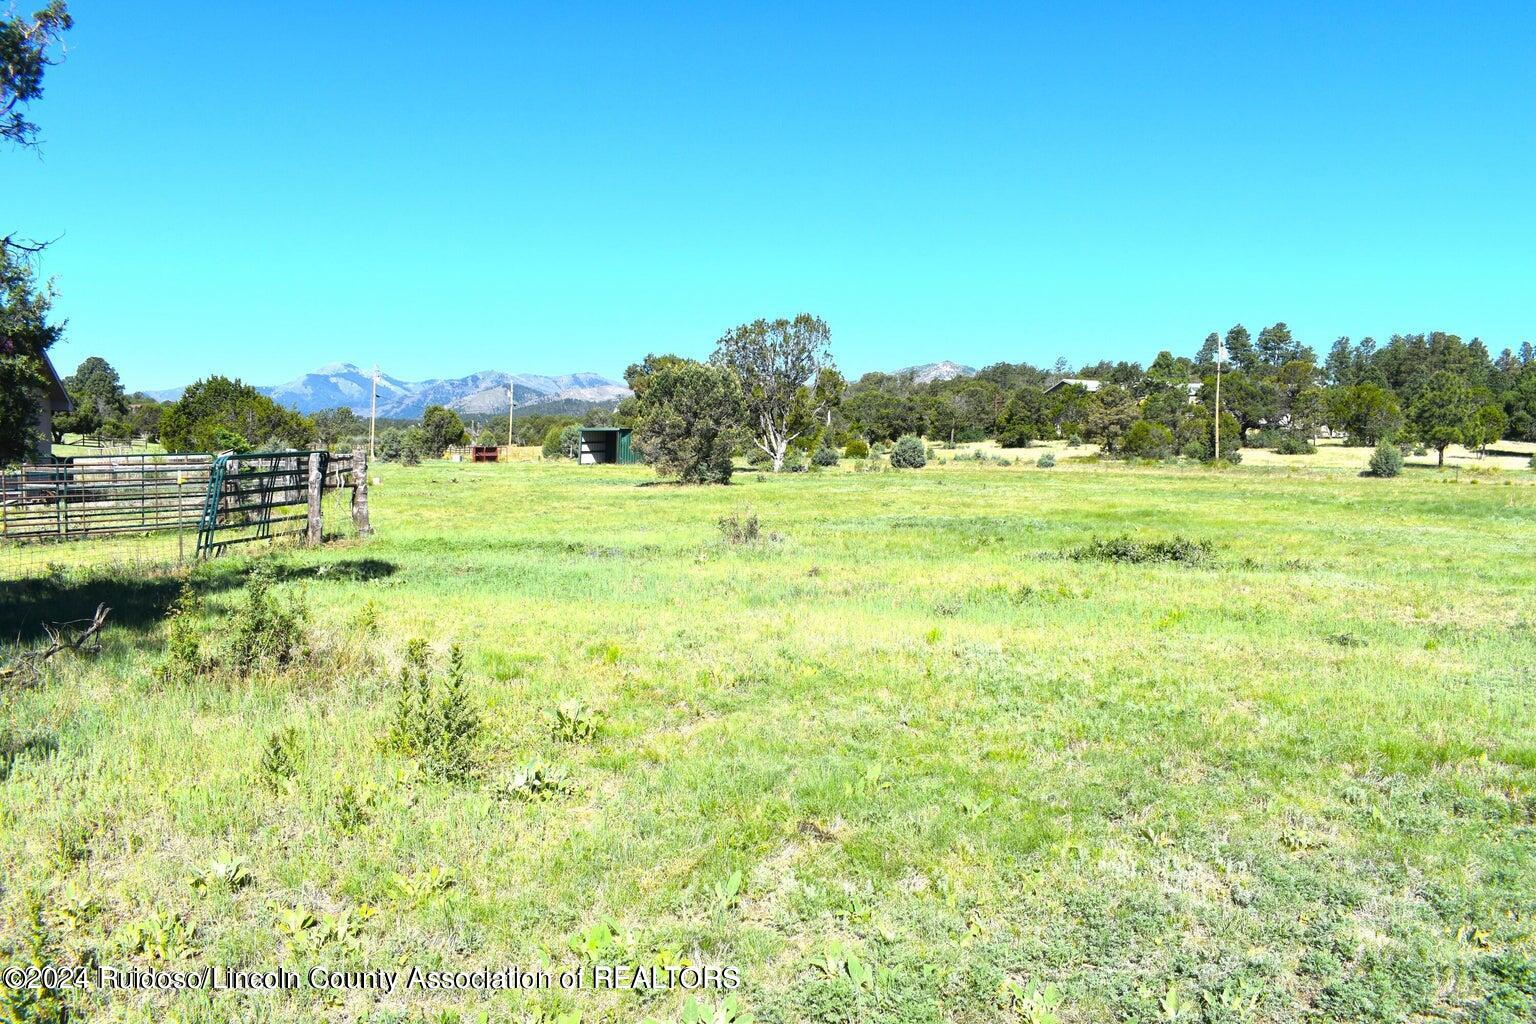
column 360, row 492
column 316, row 487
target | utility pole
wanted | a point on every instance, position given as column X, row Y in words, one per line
column 1221, row 351
column 373, row 410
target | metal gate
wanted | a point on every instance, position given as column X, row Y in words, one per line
column 266, row 496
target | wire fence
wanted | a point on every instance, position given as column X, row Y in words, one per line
column 148, row 512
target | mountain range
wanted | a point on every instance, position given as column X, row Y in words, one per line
column 345, row 385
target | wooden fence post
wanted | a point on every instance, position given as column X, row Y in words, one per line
column 316, row 488
column 360, row 492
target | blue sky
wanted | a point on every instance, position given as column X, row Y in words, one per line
column 257, row 189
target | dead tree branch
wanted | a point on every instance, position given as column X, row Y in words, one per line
column 63, row 636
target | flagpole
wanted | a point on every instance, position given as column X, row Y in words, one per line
column 511, row 409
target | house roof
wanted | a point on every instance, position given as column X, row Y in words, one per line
column 1086, row 385
column 58, row 398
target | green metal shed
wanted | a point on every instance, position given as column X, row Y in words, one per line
column 606, row 444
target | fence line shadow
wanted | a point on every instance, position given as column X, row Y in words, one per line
column 140, row 601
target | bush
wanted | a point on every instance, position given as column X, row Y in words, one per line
column 391, row 444
column 268, row 631
column 1148, row 440
column 1124, row 549
column 1533, row 461
column 1074, row 440
column 825, row 456
column 740, row 529
column 858, row 448
column 1386, row 460
column 563, row 442
column 1269, row 437
column 909, row 453
column 1046, row 461
column 1295, row 444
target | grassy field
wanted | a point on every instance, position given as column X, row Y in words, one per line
column 901, row 758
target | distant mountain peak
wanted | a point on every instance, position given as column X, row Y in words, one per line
column 349, row 386
column 927, row 373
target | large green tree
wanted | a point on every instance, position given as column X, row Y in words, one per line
column 1443, row 413
column 27, row 46
column 26, row 52
column 777, row 362
column 25, row 335
column 1367, row 413
column 442, row 428
column 96, row 392
column 1110, row 417
column 690, row 421
column 219, row 414
column 1520, row 405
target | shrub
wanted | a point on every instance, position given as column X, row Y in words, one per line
column 1295, row 444
column 1268, row 437
column 183, row 659
column 858, row 448
column 1124, row 549
column 1148, row 440
column 1074, row 440
column 552, row 442
column 1533, row 461
column 433, row 720
column 1386, row 460
column 562, row 442
column 909, row 453
column 391, row 444
column 825, row 456
column 1046, row 461
column 740, row 529
column 268, row 632
column 570, row 443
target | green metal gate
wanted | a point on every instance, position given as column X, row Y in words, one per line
column 256, row 496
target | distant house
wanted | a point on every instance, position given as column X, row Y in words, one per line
column 55, row 403
column 1086, row 385
column 1094, row 385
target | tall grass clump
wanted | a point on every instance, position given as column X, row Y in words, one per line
column 1135, row 552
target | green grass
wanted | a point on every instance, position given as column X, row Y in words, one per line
column 1291, row 780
